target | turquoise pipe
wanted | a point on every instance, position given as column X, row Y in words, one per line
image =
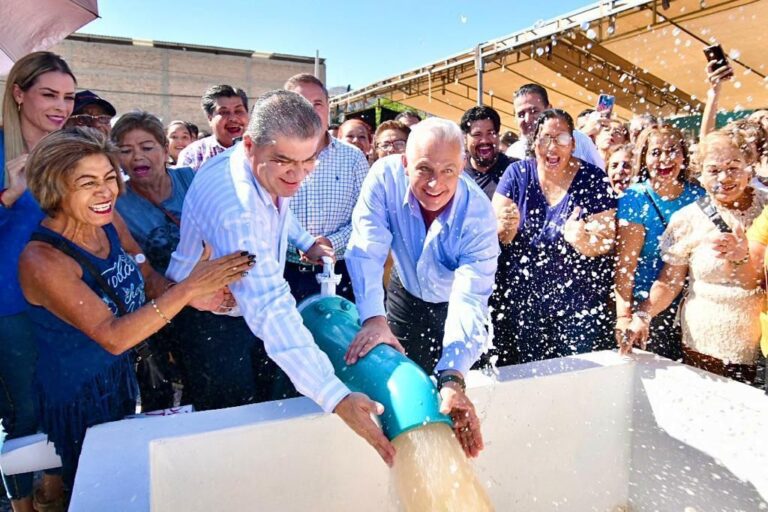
column 409, row 396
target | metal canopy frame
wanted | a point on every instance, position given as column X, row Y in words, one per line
column 648, row 57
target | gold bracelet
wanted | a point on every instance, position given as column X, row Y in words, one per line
column 157, row 309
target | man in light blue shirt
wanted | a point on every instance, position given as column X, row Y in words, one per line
column 442, row 232
column 238, row 201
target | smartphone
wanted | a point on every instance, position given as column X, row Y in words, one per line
column 716, row 54
column 605, row 104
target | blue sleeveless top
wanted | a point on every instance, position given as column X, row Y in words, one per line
column 80, row 383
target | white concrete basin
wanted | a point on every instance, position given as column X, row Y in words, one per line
column 595, row 432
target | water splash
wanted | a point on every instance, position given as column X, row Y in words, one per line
column 431, row 472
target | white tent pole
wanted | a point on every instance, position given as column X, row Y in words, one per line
column 479, row 70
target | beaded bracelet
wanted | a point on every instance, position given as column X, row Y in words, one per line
column 740, row 262
column 157, row 309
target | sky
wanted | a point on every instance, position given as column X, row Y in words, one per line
column 362, row 41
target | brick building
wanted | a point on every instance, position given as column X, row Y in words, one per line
column 168, row 79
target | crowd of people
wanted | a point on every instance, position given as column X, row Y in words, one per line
column 156, row 264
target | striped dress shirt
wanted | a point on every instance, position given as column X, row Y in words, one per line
column 453, row 261
column 228, row 209
column 323, row 205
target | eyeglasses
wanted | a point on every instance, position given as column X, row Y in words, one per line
column 88, row 120
column 397, row 145
column 562, row 139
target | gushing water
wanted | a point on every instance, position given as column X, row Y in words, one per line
column 432, row 473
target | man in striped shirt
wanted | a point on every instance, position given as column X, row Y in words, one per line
column 239, row 202
column 324, row 202
column 226, row 108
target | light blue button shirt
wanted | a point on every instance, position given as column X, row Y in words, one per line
column 228, row 209
column 453, row 261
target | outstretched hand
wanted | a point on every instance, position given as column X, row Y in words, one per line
column 356, row 410
column 211, row 276
column 466, row 424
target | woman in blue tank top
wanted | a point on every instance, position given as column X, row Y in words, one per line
column 87, row 283
column 39, row 97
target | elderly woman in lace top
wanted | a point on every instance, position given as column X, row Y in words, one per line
column 706, row 242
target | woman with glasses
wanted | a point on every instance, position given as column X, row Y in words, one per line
column 644, row 213
column 556, row 214
column 705, row 243
column 390, row 138
column 39, row 97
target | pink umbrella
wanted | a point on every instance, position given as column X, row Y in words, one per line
column 31, row 25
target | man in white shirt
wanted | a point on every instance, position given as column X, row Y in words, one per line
column 442, row 232
column 239, row 202
column 531, row 100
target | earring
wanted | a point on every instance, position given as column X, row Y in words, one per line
column 18, row 107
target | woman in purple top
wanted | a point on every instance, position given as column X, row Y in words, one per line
column 556, row 223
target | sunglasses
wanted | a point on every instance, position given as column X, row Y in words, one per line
column 88, row 120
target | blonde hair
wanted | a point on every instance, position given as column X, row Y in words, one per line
column 24, row 74
column 54, row 158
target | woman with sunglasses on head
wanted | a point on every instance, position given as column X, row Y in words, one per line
column 39, row 97
column 644, row 212
column 556, row 214
column 706, row 244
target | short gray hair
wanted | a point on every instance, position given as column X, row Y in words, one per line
column 438, row 129
column 285, row 113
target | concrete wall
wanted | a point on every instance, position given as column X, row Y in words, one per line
column 590, row 433
column 170, row 81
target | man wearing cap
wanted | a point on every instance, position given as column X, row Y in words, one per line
column 92, row 111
